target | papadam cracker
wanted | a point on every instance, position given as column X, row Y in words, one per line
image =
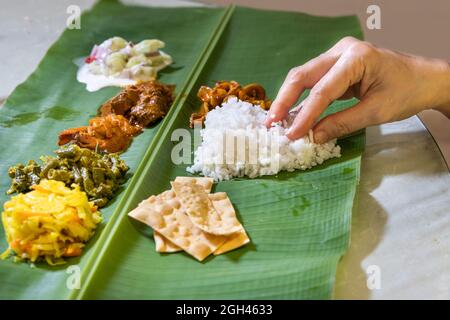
column 223, row 205
column 201, row 211
column 205, row 182
column 175, row 230
column 165, row 215
column 163, row 245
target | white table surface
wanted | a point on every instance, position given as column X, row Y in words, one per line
column 402, row 223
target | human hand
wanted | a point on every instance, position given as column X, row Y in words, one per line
column 390, row 85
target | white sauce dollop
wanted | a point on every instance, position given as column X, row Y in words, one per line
column 95, row 82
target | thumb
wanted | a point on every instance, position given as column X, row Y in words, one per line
column 345, row 122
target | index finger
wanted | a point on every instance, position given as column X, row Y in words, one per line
column 297, row 80
column 347, row 71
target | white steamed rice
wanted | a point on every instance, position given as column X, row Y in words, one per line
column 262, row 151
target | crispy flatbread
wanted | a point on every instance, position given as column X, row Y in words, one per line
column 163, row 245
column 165, row 214
column 201, row 211
column 205, row 182
column 223, row 205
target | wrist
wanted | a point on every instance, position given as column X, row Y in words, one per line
column 439, row 79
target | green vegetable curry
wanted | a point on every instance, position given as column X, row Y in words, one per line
column 99, row 175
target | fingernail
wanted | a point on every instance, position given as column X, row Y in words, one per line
column 320, row 137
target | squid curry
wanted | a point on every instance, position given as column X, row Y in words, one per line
column 212, row 97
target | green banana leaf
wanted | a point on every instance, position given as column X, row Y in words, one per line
column 298, row 222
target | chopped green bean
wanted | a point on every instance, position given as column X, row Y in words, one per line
column 99, row 175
